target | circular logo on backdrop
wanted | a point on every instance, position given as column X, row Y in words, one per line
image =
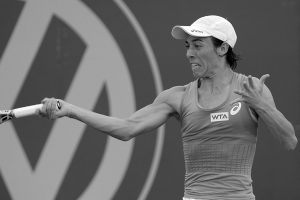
column 93, row 54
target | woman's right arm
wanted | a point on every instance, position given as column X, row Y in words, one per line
column 143, row 120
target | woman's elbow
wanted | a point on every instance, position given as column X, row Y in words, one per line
column 123, row 137
column 291, row 140
column 126, row 138
column 294, row 143
column 133, row 130
column 291, row 144
column 128, row 135
column 127, row 132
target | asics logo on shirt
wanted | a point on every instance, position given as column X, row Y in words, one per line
column 236, row 108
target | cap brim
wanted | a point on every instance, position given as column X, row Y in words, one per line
column 182, row 32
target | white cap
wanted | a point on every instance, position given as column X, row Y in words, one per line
column 211, row 25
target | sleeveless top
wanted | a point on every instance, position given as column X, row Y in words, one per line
column 219, row 146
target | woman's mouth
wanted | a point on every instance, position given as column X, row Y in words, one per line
column 198, row 70
column 195, row 65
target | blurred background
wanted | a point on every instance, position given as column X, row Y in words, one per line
column 114, row 57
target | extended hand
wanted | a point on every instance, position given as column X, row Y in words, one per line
column 53, row 108
column 253, row 93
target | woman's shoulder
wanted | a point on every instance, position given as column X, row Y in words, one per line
column 174, row 95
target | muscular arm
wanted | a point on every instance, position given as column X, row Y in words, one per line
column 259, row 98
column 276, row 122
column 143, row 120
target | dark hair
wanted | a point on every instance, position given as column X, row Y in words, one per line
column 231, row 57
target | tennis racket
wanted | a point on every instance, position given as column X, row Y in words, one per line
column 6, row 115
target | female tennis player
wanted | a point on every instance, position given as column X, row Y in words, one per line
column 218, row 111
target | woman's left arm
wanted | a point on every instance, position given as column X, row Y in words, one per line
column 259, row 98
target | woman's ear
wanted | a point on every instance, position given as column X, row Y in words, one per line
column 222, row 50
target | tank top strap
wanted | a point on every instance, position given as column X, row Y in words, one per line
column 238, row 85
column 188, row 97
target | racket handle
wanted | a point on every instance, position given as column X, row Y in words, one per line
column 26, row 111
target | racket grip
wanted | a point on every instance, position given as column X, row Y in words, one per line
column 26, row 111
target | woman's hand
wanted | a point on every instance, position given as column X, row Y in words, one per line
column 53, row 108
column 253, row 92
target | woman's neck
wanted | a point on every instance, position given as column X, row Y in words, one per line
column 218, row 80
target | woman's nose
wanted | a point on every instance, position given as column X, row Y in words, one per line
column 190, row 53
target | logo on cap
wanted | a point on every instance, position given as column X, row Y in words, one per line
column 194, row 30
